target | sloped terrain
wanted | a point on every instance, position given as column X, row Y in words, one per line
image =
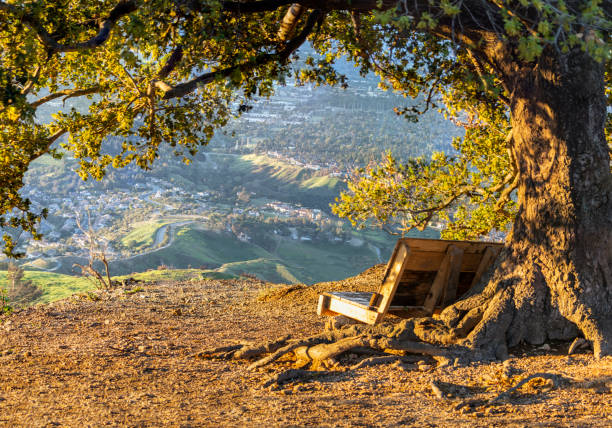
column 133, row 357
column 292, row 261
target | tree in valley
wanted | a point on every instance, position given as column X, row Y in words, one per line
column 97, row 249
column 21, row 291
column 527, row 77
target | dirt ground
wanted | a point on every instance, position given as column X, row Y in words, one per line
column 130, row 357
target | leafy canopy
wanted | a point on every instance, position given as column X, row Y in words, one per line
column 172, row 72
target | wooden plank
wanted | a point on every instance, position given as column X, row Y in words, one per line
column 357, row 297
column 450, row 289
column 440, row 245
column 398, row 244
column 328, row 313
column 376, row 298
column 389, row 286
column 427, row 254
column 419, row 272
column 429, row 261
column 439, row 282
column 351, row 310
column 487, row 260
column 323, row 304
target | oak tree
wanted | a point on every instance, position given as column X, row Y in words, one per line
column 527, row 75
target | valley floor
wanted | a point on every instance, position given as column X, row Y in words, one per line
column 129, row 357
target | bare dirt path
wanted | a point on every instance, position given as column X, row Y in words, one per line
column 131, row 359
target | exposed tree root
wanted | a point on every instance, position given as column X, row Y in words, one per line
column 293, row 375
column 374, row 361
column 320, row 351
column 313, row 341
column 555, row 379
column 322, row 355
column 255, row 351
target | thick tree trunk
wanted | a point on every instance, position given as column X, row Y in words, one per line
column 556, row 273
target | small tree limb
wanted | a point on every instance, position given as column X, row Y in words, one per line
column 186, row 88
column 65, row 94
column 122, row 8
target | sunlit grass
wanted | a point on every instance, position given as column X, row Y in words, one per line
column 54, row 286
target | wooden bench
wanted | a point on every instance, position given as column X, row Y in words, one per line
column 423, row 276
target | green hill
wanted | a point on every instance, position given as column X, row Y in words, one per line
column 292, row 260
column 268, row 270
column 54, row 286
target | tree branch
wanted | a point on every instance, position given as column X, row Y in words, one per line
column 478, row 66
column 171, row 64
column 290, row 21
column 186, row 88
column 122, row 8
column 66, row 93
column 47, row 145
column 505, row 196
column 30, row 83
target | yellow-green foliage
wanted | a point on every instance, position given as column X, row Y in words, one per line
column 470, row 192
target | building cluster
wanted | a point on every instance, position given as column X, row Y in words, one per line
column 284, row 209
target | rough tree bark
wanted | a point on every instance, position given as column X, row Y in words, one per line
column 556, row 272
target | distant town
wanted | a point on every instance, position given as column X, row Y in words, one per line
column 269, row 176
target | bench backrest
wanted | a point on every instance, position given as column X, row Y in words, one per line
column 421, row 271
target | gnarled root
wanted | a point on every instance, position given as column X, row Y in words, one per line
column 555, row 379
column 243, row 351
column 254, row 351
column 322, row 355
column 319, row 352
column 292, row 375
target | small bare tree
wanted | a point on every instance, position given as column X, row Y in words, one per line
column 22, row 292
column 97, row 247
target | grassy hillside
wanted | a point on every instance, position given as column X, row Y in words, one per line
column 322, row 182
column 326, row 262
column 268, row 253
column 195, row 247
column 143, row 235
column 272, row 178
column 54, row 286
column 215, row 255
column 292, row 261
column 270, row 270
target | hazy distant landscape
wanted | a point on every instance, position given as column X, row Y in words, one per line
column 255, row 201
